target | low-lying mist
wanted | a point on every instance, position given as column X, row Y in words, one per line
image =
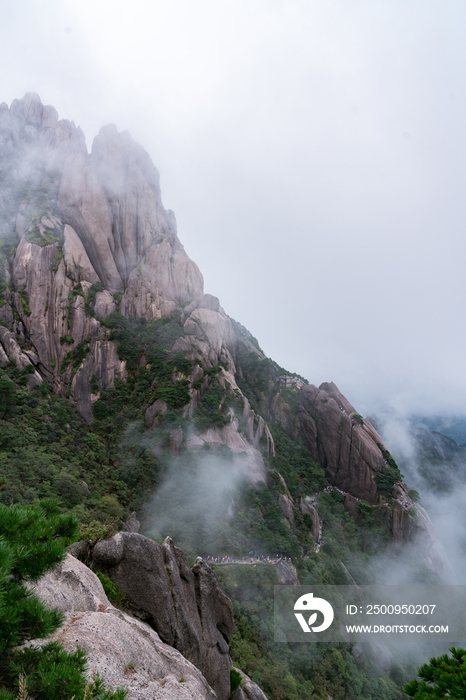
column 194, row 500
column 436, row 468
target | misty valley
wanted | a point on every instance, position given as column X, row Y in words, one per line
column 185, row 471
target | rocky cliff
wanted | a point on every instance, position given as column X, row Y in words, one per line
column 87, row 245
column 130, row 653
column 185, row 606
column 125, row 651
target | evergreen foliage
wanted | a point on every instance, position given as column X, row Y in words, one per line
column 290, row 671
column 442, row 677
column 76, row 356
column 235, row 680
column 137, row 337
column 33, row 539
column 112, row 591
column 48, row 450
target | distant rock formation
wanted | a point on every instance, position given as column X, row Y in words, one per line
column 76, row 220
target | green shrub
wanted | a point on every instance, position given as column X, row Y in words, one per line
column 25, row 302
column 75, row 357
column 94, row 384
column 59, row 254
column 235, row 679
column 90, row 301
column 97, row 530
column 34, row 236
column 113, row 592
column 386, row 478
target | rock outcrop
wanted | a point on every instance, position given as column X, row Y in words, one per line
column 185, row 606
column 306, row 507
column 414, row 526
column 124, row 650
column 347, row 447
column 247, row 690
column 89, row 236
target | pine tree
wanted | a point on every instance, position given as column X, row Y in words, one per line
column 33, row 540
column 443, row 677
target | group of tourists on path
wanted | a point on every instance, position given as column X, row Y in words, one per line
column 251, row 557
column 405, row 501
column 254, row 555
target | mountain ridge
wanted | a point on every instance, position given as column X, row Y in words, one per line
column 95, row 246
column 101, row 305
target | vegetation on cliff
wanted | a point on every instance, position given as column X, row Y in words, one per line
column 291, row 671
column 33, row 540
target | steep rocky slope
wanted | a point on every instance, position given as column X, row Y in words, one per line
column 100, row 302
column 127, row 651
column 85, row 239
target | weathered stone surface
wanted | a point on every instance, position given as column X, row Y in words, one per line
column 281, row 413
column 103, row 362
column 77, row 263
column 3, row 357
column 287, row 574
column 186, row 607
column 351, row 505
column 125, row 651
column 104, row 305
column 287, row 506
column 248, row 690
column 72, row 586
column 6, row 314
column 348, row 452
column 216, row 615
column 154, row 412
column 12, row 350
column 115, row 231
column 164, row 278
column 85, row 207
column 213, row 327
column 262, row 430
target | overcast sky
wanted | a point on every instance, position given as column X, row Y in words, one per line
column 313, row 152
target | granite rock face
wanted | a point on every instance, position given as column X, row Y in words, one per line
column 248, row 690
column 349, row 452
column 76, row 220
column 125, row 651
column 185, row 606
column 89, row 236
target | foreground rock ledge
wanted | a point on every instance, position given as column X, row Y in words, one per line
column 125, row 651
column 186, row 607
